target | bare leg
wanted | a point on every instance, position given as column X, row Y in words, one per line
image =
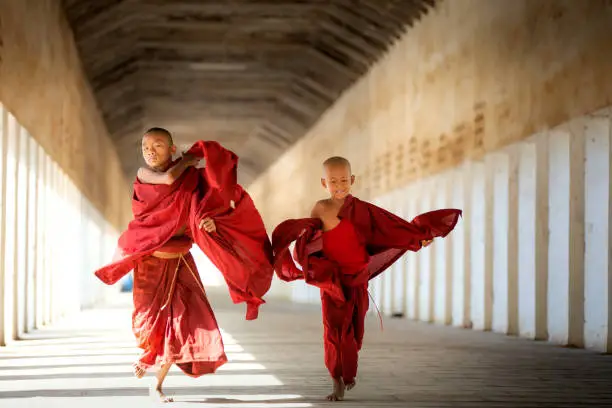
column 338, row 390
column 351, row 385
column 156, row 391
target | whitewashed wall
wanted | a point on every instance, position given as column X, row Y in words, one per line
column 531, row 256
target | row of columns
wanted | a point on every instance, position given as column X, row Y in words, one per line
column 531, row 256
column 51, row 237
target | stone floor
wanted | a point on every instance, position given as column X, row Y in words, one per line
column 277, row 361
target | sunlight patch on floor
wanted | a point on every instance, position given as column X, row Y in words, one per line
column 82, row 360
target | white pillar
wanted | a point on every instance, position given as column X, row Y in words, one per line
column 32, row 306
column 443, row 295
column 566, row 239
column 48, row 258
column 387, row 276
column 22, row 233
column 480, row 248
column 505, row 229
column 426, row 261
column 411, row 258
column 598, row 208
column 376, row 285
column 532, row 237
column 399, row 280
column 459, row 239
column 10, row 293
column 41, row 204
column 4, row 130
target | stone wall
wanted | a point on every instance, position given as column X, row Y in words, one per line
column 42, row 84
column 470, row 77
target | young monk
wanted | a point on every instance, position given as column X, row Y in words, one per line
column 344, row 244
column 174, row 205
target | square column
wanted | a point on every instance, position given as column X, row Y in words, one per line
column 459, row 240
column 598, row 215
column 504, row 173
column 480, row 247
column 443, row 292
column 566, row 240
column 533, row 237
column 411, row 263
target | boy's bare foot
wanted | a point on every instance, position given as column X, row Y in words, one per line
column 157, row 393
column 351, row 385
column 139, row 371
column 338, row 390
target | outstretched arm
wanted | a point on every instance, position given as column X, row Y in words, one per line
column 169, row 176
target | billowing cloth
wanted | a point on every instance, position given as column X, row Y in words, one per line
column 340, row 262
column 385, row 236
column 240, row 247
column 172, row 319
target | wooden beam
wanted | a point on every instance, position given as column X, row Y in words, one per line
column 274, row 58
column 115, row 73
column 384, row 9
column 305, row 108
column 79, row 11
column 103, row 20
column 370, row 30
column 351, row 40
column 320, row 55
column 326, row 95
column 255, row 47
column 353, row 55
column 213, row 26
column 178, row 110
column 232, row 35
column 119, row 99
column 370, row 13
column 207, row 92
column 255, row 78
column 280, row 8
column 285, row 119
column 113, row 91
column 108, row 57
column 279, row 135
column 122, row 116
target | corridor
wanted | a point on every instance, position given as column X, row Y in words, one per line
column 277, row 362
column 502, row 109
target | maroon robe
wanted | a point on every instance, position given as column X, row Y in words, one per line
column 173, row 321
column 341, row 262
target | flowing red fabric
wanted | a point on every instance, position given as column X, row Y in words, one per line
column 172, row 319
column 385, row 236
column 340, row 262
column 240, row 247
column 343, row 322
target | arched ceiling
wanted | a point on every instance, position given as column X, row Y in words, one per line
column 253, row 74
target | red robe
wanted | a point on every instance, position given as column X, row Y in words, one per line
column 341, row 262
column 240, row 249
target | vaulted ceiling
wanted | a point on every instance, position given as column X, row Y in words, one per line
column 253, row 74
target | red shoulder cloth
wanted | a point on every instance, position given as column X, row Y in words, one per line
column 386, row 237
column 240, row 248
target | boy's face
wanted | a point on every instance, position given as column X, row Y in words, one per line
column 156, row 150
column 338, row 181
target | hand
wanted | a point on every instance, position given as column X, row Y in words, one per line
column 426, row 242
column 191, row 160
column 208, row 225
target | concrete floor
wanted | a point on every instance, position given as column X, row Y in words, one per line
column 277, row 361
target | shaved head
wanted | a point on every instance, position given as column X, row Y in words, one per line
column 160, row 131
column 337, row 178
column 337, row 161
